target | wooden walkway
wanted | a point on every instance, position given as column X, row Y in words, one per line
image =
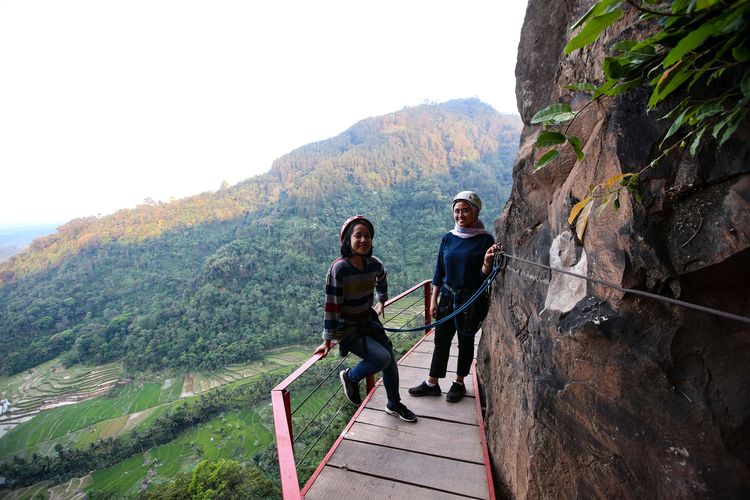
column 442, row 456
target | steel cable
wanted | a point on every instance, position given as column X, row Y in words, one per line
column 322, row 433
column 650, row 295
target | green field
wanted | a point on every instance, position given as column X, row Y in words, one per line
column 65, row 421
column 236, row 435
column 135, row 405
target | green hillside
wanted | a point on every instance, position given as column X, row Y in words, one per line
column 217, row 278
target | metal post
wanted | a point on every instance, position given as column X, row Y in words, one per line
column 288, row 409
column 427, row 318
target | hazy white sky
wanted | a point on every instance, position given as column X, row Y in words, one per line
column 106, row 103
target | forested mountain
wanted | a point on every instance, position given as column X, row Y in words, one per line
column 218, row 277
column 14, row 239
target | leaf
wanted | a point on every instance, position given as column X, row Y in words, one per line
column 642, row 52
column 554, row 114
column 549, row 138
column 696, row 141
column 675, row 125
column 577, row 147
column 604, row 204
column 634, row 53
column 582, row 87
column 690, row 42
column 614, row 180
column 741, row 53
column 745, row 84
column 705, row 4
column 597, row 9
column 546, row 159
column 605, row 87
column 668, row 83
column 717, row 128
column 675, row 111
column 625, row 86
column 628, row 180
column 613, row 68
column 577, row 208
column 591, row 30
column 738, row 116
column 624, row 45
column 583, row 219
column 716, row 74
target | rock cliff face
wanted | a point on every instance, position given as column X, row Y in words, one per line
column 591, row 392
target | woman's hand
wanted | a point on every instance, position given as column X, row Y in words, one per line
column 489, row 258
column 434, row 301
column 379, row 309
column 323, row 349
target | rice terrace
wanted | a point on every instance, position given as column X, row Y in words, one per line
column 55, row 410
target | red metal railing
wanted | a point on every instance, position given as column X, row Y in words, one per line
column 281, row 401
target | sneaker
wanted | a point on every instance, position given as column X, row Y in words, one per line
column 351, row 390
column 456, row 392
column 425, row 390
column 402, row 411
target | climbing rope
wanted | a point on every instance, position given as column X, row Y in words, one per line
column 487, row 282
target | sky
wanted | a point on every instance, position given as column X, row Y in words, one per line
column 104, row 104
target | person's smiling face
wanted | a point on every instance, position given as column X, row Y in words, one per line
column 361, row 240
column 463, row 214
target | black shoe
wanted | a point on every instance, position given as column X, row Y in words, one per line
column 402, row 411
column 456, row 392
column 351, row 390
column 425, row 390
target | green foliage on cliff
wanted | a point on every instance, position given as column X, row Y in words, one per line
column 219, row 277
column 695, row 64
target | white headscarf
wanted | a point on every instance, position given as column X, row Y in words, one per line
column 469, row 232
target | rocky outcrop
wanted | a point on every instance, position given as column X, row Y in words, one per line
column 591, row 392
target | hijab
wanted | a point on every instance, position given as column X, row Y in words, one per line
column 475, row 229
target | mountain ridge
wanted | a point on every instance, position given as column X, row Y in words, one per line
column 239, row 270
column 454, row 147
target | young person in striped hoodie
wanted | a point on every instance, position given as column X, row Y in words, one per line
column 351, row 320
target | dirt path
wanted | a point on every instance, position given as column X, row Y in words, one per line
column 187, row 387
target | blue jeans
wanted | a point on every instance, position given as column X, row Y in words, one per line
column 375, row 358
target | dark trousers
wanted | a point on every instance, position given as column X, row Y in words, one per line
column 443, row 338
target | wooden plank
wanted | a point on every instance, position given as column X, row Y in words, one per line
column 338, row 483
column 464, row 411
column 417, row 469
column 410, row 376
column 444, row 439
column 423, row 359
column 428, row 346
column 380, row 456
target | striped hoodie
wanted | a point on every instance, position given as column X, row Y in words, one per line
column 349, row 295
